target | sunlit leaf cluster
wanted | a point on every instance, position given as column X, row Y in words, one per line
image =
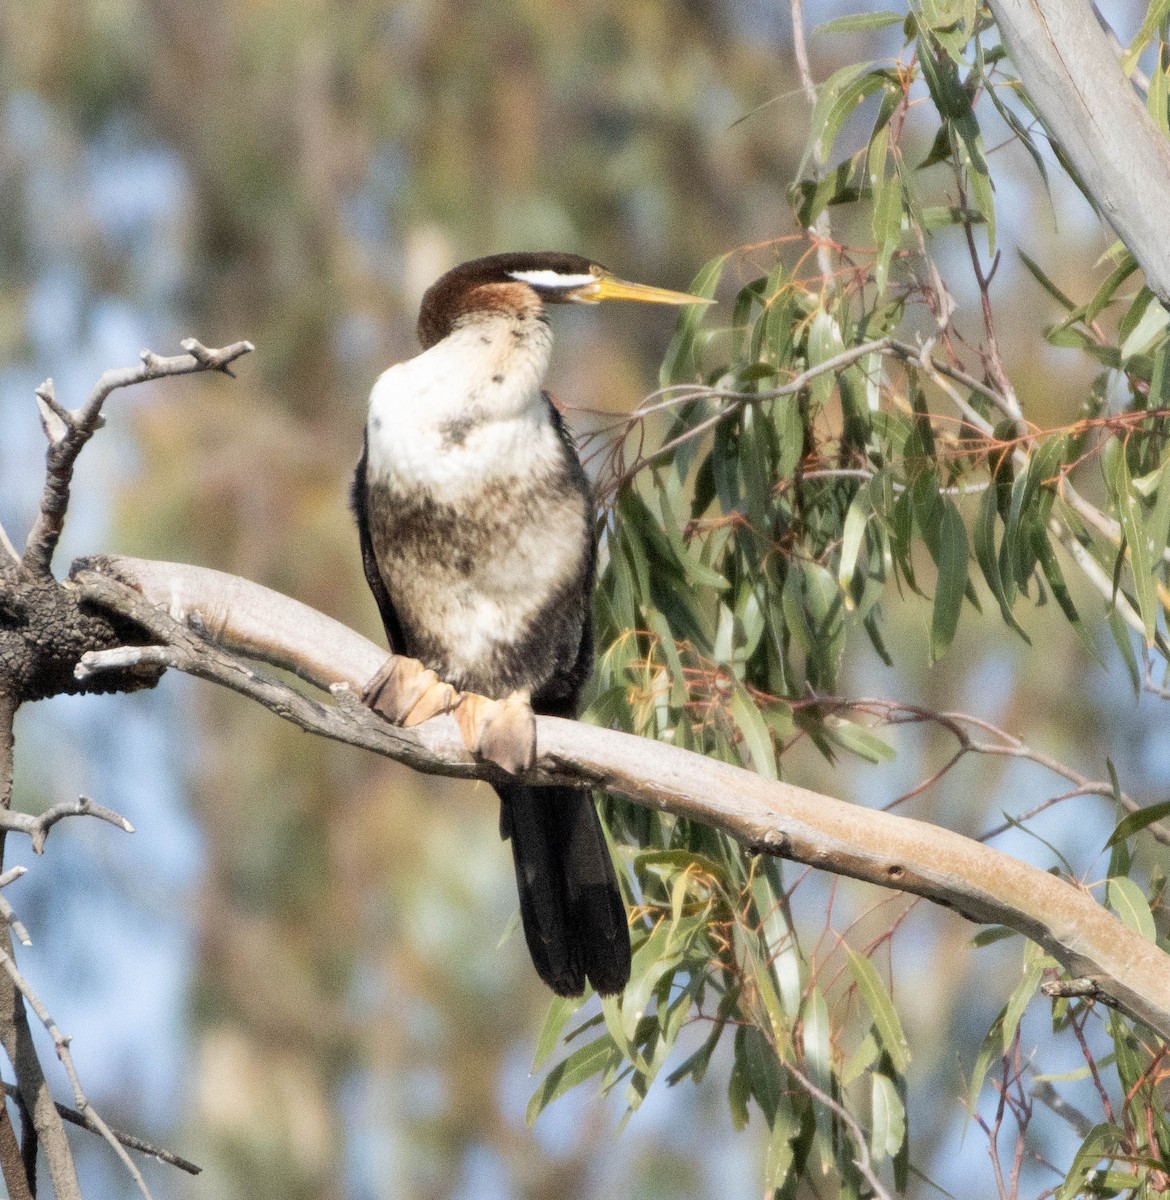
column 836, row 440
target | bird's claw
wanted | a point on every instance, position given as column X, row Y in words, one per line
column 407, row 693
column 499, row 731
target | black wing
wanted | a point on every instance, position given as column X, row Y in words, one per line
column 559, row 696
column 359, row 502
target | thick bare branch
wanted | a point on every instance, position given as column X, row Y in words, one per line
column 956, row 872
column 1065, row 60
column 68, row 432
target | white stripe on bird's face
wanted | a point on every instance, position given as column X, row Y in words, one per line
column 547, row 278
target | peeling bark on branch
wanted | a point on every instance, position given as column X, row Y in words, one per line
column 180, row 604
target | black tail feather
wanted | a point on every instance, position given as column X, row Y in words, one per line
column 570, row 904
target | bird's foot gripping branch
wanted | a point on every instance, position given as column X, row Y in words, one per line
column 408, row 693
column 119, row 622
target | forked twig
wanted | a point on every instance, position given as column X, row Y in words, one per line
column 68, row 431
column 61, row 1043
column 127, row 1139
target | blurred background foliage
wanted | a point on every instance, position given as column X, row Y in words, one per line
column 292, row 972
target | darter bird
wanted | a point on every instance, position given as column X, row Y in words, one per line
column 476, row 524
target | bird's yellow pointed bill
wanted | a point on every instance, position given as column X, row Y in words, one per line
column 607, row 287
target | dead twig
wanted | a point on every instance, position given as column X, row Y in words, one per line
column 38, row 827
column 68, row 432
column 61, row 1043
column 129, row 1140
column 7, row 912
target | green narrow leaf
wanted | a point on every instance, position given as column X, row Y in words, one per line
column 1120, row 631
column 860, row 1060
column 1129, row 903
column 757, row 740
column 858, row 740
column 1135, row 822
column 888, row 1120
column 970, row 147
column 594, row 1058
column 1100, row 1141
column 1158, row 525
column 655, row 958
column 1155, row 15
column 1046, row 555
column 780, row 1156
column 989, row 1052
column 1158, row 97
column 1035, row 962
column 852, row 537
column 952, row 579
column 818, row 1057
column 1036, row 271
column 881, row 1008
column 1143, row 326
column 1126, row 1057
column 861, row 22
column 738, row 1086
column 824, row 342
column 988, row 559
column 681, row 363
column 763, row 1071
column 837, row 99
column 887, row 204
column 938, row 216
column 1129, row 514
column 1105, row 293
column 559, row 1012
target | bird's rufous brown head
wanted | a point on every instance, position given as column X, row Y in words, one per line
column 547, row 277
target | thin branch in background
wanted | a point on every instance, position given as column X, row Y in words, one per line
column 61, row 1044
column 689, row 392
column 1077, row 1025
column 821, row 230
column 1102, row 582
column 1139, row 79
column 7, row 912
column 127, row 1139
column 1012, row 1098
column 862, row 1162
column 1046, row 1094
column 992, row 359
column 1148, row 684
column 68, row 432
column 1005, row 745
